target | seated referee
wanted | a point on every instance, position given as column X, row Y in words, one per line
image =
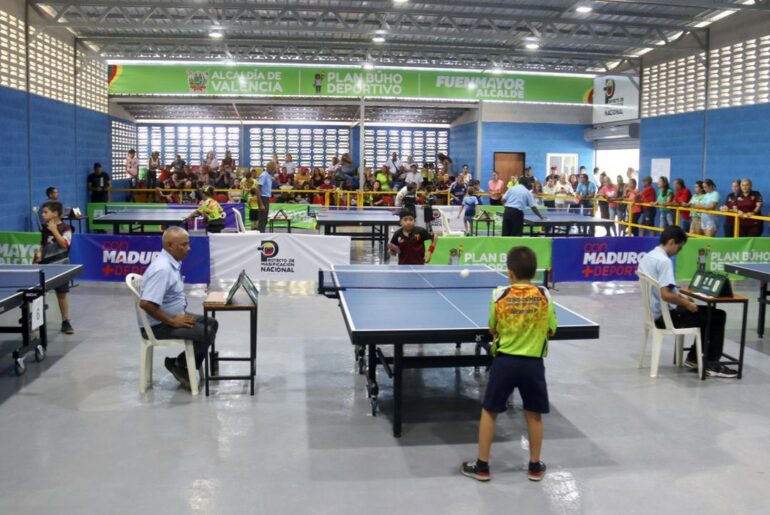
column 164, row 300
column 516, row 200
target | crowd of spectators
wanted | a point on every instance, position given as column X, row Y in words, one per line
column 624, row 199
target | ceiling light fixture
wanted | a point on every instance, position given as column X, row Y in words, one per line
column 381, row 32
column 532, row 46
column 378, row 39
column 216, row 34
column 584, row 9
column 400, row 1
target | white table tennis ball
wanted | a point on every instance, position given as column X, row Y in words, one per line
column 465, row 273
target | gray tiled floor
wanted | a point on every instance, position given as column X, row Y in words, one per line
column 77, row 437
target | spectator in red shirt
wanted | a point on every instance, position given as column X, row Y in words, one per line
column 682, row 198
column 749, row 202
column 648, row 196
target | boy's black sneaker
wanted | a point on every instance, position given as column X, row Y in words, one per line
column 536, row 471
column 721, row 371
column 691, row 364
column 471, row 469
column 66, row 327
column 178, row 372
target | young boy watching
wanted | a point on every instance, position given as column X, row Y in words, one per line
column 521, row 319
column 55, row 248
column 409, row 242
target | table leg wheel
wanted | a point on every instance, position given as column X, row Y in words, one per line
column 19, row 367
column 39, row 353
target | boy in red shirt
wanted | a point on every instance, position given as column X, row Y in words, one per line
column 648, row 212
column 409, row 242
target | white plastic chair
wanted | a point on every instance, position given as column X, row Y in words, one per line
column 647, row 285
column 238, row 221
column 36, row 217
column 446, row 229
column 134, row 283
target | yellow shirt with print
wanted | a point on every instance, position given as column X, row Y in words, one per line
column 523, row 317
column 211, row 210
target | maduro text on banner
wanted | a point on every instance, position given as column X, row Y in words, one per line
column 276, row 256
column 107, row 257
column 599, row 259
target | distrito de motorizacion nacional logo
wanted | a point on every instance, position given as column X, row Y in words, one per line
column 609, row 89
column 268, row 250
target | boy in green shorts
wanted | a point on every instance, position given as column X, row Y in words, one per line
column 521, row 319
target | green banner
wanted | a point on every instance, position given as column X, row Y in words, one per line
column 223, row 80
column 492, row 251
column 718, row 251
column 18, row 248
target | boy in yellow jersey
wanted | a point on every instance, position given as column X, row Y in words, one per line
column 521, row 319
column 210, row 209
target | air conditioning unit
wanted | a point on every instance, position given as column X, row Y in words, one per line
column 629, row 130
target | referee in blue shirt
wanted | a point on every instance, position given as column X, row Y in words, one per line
column 516, row 200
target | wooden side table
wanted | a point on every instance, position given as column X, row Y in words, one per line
column 711, row 303
column 213, row 304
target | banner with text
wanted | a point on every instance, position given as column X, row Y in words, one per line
column 715, row 252
column 492, row 251
column 598, row 259
column 107, row 257
column 18, row 248
column 616, row 98
column 330, row 81
column 277, row 256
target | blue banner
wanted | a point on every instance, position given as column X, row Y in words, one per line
column 107, row 257
column 598, row 259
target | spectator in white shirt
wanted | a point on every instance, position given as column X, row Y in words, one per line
column 290, row 165
column 466, row 175
column 394, row 164
column 131, row 166
column 413, row 175
column 563, row 188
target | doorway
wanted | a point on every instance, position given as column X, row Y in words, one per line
column 509, row 164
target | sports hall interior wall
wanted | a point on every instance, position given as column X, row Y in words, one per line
column 736, row 139
column 534, row 139
column 62, row 144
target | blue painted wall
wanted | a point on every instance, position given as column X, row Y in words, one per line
column 14, row 195
column 536, row 140
column 64, row 142
column 462, row 145
column 737, row 146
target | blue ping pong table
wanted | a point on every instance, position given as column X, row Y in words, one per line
column 560, row 223
column 379, row 222
column 760, row 272
column 20, row 286
column 402, row 305
column 144, row 217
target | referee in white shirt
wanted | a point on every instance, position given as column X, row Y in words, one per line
column 516, row 200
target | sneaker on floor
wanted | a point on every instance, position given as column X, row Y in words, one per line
column 690, row 363
column 66, row 327
column 536, row 471
column 721, row 371
column 178, row 372
column 470, row 469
